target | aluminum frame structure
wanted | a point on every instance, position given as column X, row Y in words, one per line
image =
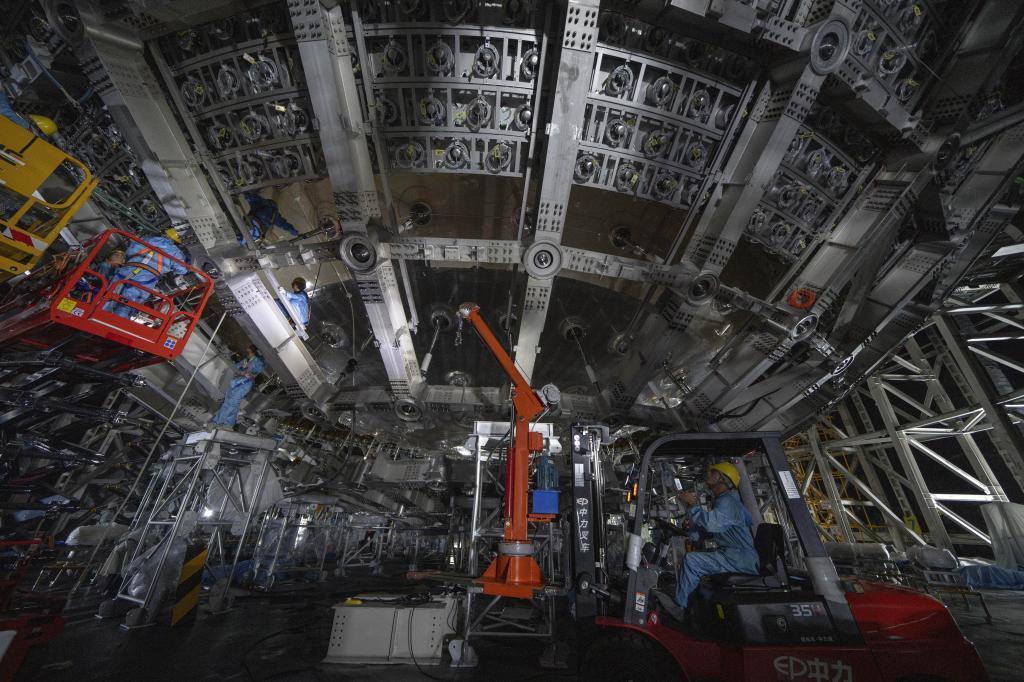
column 910, row 454
column 194, row 493
column 868, row 150
column 668, row 104
column 302, row 524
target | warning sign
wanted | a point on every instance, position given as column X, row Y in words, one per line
column 66, row 305
column 789, row 485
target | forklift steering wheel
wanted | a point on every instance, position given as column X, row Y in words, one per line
column 670, row 527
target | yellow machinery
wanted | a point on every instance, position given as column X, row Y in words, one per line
column 28, row 222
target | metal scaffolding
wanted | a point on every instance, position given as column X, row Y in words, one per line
column 911, row 453
column 209, row 491
column 296, row 539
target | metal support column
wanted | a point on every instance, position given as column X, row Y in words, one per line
column 936, row 529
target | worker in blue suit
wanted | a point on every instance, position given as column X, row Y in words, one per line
column 89, row 285
column 728, row 523
column 146, row 264
column 264, row 215
column 299, row 299
column 110, row 265
column 246, row 371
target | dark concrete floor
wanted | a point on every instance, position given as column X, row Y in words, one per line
column 1001, row 643
column 284, row 637
column 280, row 636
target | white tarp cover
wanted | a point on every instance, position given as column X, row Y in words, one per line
column 91, row 535
column 1005, row 521
column 932, row 558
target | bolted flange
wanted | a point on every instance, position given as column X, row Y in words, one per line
column 408, row 410
column 830, row 46
column 358, row 253
column 804, row 327
column 702, row 289
column 542, row 260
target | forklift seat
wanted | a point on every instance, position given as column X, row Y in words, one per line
column 770, row 544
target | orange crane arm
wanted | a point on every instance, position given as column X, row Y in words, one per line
column 514, row 572
column 527, row 403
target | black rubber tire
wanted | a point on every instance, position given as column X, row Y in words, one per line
column 626, row 656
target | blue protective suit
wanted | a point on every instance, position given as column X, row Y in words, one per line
column 729, row 525
column 241, row 385
column 299, row 301
column 107, row 270
column 265, row 215
column 137, row 255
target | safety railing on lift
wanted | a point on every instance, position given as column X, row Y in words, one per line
column 41, row 188
column 150, row 302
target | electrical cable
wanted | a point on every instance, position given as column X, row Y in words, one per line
column 293, row 628
column 412, row 612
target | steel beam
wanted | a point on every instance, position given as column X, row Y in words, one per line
column 327, row 60
column 895, row 526
column 568, row 98
column 829, row 482
column 919, row 486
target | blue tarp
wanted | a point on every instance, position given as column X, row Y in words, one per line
column 993, row 577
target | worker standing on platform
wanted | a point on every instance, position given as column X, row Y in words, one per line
column 728, row 524
column 146, row 266
column 246, row 371
column 264, row 215
column 299, row 299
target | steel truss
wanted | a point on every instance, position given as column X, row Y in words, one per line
column 294, row 541
column 210, row 485
column 910, row 454
column 364, row 543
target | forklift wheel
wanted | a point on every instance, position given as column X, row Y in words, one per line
column 629, row 657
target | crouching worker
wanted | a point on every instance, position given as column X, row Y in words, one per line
column 145, row 267
column 89, row 285
column 246, row 371
column 728, row 524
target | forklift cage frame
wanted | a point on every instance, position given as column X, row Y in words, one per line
column 822, row 572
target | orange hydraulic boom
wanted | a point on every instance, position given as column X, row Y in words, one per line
column 514, row 573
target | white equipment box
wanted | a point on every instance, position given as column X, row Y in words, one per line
column 378, row 632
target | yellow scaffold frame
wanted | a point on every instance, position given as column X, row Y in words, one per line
column 27, row 162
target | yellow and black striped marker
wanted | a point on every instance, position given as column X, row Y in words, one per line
column 186, row 596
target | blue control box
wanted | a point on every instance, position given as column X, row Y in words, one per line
column 544, row 502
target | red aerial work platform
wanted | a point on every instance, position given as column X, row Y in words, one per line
column 69, row 305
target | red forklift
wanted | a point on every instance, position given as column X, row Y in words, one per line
column 106, row 316
column 797, row 620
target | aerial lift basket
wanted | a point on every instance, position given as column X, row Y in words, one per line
column 70, row 305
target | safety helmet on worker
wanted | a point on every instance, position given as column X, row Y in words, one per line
column 45, row 124
column 729, row 470
column 173, row 235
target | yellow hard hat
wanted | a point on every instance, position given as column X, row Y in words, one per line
column 729, row 470
column 172, row 234
column 45, row 124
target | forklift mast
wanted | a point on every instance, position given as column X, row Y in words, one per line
column 587, row 567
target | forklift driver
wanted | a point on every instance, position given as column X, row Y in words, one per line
column 728, row 524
